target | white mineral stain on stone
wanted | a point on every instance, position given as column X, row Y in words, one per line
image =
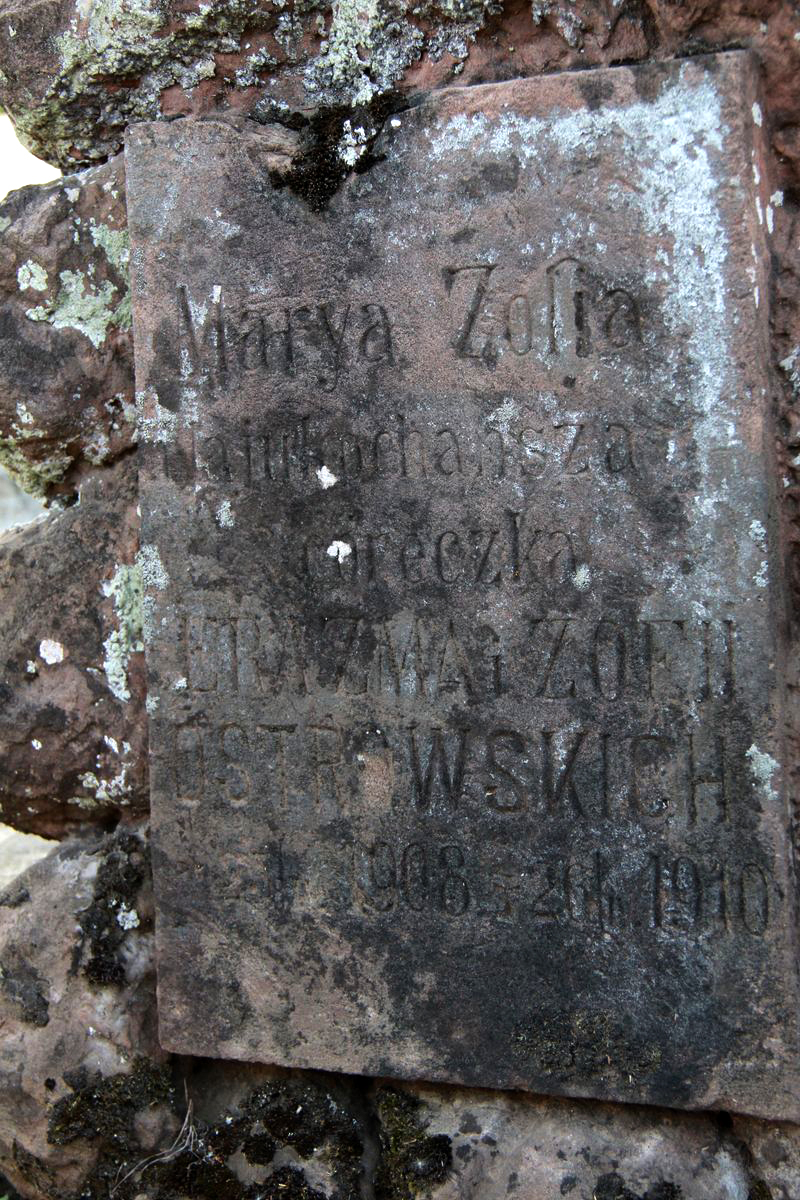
column 326, row 476
column 672, row 150
column 154, row 423
column 37, row 745
column 776, row 199
column 23, row 415
column 582, row 577
column 756, row 111
column 225, row 516
column 770, row 219
column 111, row 743
column 759, row 534
column 149, row 562
column 51, row 652
column 154, row 578
column 125, row 589
column 151, row 703
column 180, row 685
column 72, row 194
column 105, row 790
column 353, row 143
column 762, row 767
column 229, row 230
column 339, row 551
column 761, row 578
column 127, row 918
column 32, row 276
column 31, row 667
column 504, row 414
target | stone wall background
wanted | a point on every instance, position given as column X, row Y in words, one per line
column 89, row 1105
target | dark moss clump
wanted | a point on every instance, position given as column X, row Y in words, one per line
column 318, row 169
column 411, row 1161
column 612, row 1187
column 117, row 885
column 311, row 1120
column 24, row 987
column 104, row 1106
column 15, row 896
column 31, row 1168
column 285, row 1114
column 288, row 1184
column 7, row 1191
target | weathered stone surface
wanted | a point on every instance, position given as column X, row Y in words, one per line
column 463, row 610
column 66, row 364
column 504, row 1146
column 75, row 75
column 89, row 1103
column 78, row 1053
column 72, row 735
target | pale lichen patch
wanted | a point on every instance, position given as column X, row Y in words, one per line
column 32, row 276
column 114, row 242
column 762, row 767
column 125, row 589
column 758, row 533
column 83, row 306
column 353, row 143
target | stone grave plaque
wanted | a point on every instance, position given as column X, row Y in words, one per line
column 463, row 602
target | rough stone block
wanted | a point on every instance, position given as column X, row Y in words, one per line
column 464, row 611
column 72, row 681
column 66, row 360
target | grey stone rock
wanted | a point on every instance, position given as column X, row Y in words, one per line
column 77, row 1009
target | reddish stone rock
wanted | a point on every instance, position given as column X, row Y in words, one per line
column 66, row 371
column 72, row 735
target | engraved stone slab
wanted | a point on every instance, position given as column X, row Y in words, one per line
column 464, row 616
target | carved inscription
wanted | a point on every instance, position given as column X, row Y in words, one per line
column 565, row 311
column 562, row 657
column 517, row 441
column 655, row 892
column 317, row 338
column 463, row 618
column 653, row 777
